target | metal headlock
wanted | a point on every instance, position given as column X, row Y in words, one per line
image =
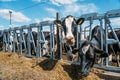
column 7, row 33
column 15, row 39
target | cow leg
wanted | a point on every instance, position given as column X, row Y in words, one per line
column 110, row 60
column 118, row 63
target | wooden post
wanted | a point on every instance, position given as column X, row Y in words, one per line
column 58, row 38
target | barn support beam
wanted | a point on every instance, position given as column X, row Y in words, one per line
column 58, row 54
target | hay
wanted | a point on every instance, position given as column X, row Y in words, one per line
column 15, row 67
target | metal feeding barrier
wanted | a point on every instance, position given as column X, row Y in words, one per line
column 17, row 43
column 18, row 39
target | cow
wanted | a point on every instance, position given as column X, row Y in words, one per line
column 88, row 53
column 8, row 41
column 34, row 34
column 45, row 47
column 69, row 26
column 89, row 50
column 116, row 47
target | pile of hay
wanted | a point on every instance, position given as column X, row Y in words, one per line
column 15, row 67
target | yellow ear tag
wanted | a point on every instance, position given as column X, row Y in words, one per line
column 80, row 22
column 98, row 54
column 58, row 24
column 76, row 53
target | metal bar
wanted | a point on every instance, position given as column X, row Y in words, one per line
column 101, row 37
column 77, row 40
column 106, row 37
column 29, row 41
column 58, row 38
column 91, row 22
column 60, row 42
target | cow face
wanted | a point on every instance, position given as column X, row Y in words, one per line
column 70, row 28
column 87, row 54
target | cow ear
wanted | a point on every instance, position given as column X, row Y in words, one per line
column 100, row 53
column 58, row 23
column 80, row 21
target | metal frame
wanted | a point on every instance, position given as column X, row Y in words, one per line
column 41, row 39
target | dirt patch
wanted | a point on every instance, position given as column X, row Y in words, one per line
column 15, row 67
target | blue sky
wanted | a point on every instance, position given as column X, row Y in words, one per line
column 31, row 11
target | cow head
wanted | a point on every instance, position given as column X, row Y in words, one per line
column 88, row 53
column 69, row 25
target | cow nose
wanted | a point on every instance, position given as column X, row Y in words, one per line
column 70, row 40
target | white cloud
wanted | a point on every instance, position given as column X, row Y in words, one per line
column 16, row 16
column 48, row 19
column 37, row 0
column 62, row 2
column 78, row 9
column 51, row 11
column 37, row 20
column 2, row 27
column 115, row 22
column 6, row 0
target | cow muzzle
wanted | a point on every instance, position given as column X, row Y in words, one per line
column 70, row 40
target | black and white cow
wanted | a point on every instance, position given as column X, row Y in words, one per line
column 116, row 47
column 89, row 50
column 69, row 33
column 88, row 53
column 35, row 42
column 45, row 46
column 9, row 41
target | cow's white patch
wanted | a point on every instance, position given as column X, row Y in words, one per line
column 85, row 49
column 95, row 42
column 68, row 23
column 45, row 48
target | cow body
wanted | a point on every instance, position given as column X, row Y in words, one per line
column 91, row 49
column 115, row 47
column 8, row 44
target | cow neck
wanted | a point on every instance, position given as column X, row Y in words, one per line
column 97, row 40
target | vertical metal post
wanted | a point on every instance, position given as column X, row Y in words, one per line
column 14, row 40
column 51, row 41
column 29, row 41
column 32, row 41
column 106, row 37
column 4, row 41
column 9, row 50
column 53, row 37
column 39, row 46
column 77, row 39
column 21, row 41
column 58, row 38
column 91, row 22
column 101, row 37
column 10, row 12
column 80, row 34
